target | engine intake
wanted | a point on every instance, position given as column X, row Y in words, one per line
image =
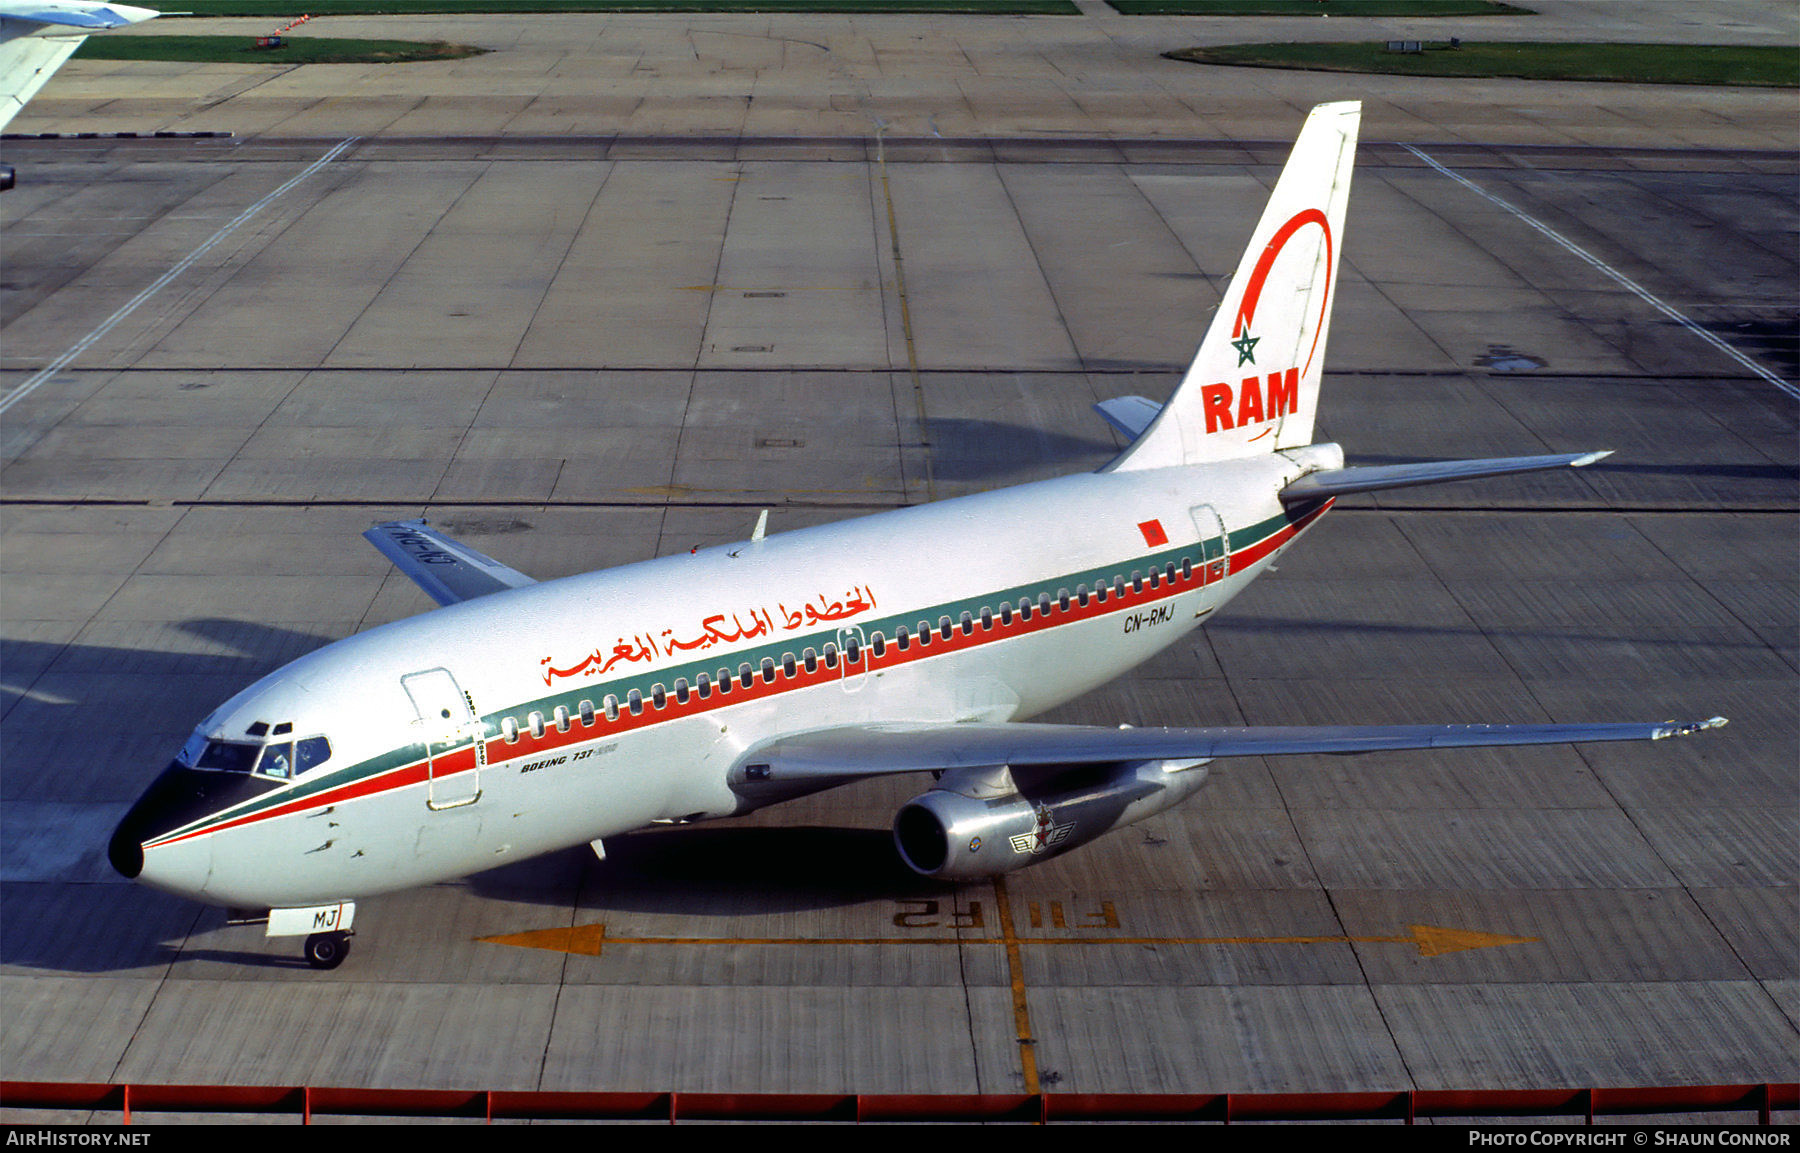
column 980, row 823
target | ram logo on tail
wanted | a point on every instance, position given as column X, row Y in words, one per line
column 1273, row 320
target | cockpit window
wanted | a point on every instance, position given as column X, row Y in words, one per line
column 311, row 752
column 281, row 761
column 277, row 761
column 229, row 756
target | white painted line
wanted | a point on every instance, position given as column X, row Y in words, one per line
column 161, row 282
column 1631, row 285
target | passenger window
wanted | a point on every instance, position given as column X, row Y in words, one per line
column 536, row 720
column 310, row 754
column 879, row 644
column 768, row 670
column 703, row 684
column 509, row 728
column 788, row 667
column 562, row 718
column 681, row 690
column 658, row 697
column 634, row 700
column 746, row 675
column 587, row 714
column 612, row 707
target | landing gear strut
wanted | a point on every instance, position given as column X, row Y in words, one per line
column 327, row 950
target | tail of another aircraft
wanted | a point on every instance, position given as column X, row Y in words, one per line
column 1254, row 384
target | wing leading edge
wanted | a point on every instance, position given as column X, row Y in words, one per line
column 872, row 750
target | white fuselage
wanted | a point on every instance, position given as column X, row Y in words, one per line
column 573, row 710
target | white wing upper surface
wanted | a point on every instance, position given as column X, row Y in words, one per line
column 872, row 750
column 38, row 36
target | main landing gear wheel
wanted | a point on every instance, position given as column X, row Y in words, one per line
column 327, row 950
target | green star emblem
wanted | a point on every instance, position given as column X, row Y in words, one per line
column 1245, row 346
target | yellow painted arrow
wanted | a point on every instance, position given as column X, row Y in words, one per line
column 588, row 940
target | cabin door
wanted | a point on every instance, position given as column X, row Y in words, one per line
column 1215, row 543
column 446, row 724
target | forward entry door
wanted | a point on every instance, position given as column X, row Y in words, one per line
column 446, row 722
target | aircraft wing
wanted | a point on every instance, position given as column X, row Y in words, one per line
column 449, row 571
column 26, row 63
column 871, row 750
column 38, row 36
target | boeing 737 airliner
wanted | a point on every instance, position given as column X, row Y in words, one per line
column 521, row 718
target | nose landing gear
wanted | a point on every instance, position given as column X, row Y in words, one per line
column 329, row 926
column 327, row 950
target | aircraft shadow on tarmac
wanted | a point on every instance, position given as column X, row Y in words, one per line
column 964, row 449
column 715, row 872
column 709, row 870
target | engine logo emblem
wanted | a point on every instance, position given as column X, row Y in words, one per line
column 1046, row 835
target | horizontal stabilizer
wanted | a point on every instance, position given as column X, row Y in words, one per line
column 447, row 570
column 1342, row 481
column 873, row 750
column 1131, row 415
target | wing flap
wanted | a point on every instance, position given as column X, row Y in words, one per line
column 872, row 750
column 448, row 570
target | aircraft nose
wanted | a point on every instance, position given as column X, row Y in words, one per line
column 126, row 850
column 176, row 798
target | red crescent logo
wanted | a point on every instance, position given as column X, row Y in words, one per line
column 1253, row 291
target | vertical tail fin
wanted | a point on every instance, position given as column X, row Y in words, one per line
column 1254, row 384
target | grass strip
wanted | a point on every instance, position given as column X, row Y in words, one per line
column 1319, row 8
column 293, row 50
column 1718, row 64
column 287, row 9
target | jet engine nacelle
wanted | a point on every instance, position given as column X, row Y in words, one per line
column 979, row 822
